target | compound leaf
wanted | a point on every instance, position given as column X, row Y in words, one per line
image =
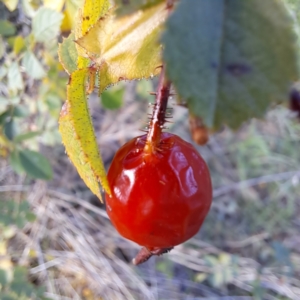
column 230, row 59
column 78, row 135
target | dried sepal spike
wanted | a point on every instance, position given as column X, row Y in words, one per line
column 144, row 254
column 199, row 131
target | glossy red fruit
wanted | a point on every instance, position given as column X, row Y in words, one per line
column 161, row 199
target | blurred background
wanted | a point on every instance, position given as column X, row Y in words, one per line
column 56, row 241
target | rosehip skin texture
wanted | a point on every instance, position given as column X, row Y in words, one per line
column 160, row 199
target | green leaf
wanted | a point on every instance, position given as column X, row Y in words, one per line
column 15, row 81
column 24, row 206
column 21, row 111
column 112, row 99
column 14, row 160
column 28, row 9
column 26, row 136
column 10, row 129
column 6, row 219
column 282, row 254
column 30, row 217
column 11, row 206
column 126, row 48
column 67, row 53
column 7, row 28
column 22, row 287
column 20, row 221
column 3, row 72
column 35, row 164
column 20, row 273
column 32, row 66
column 230, row 59
column 3, row 277
column 45, row 24
column 143, row 89
column 4, row 116
column 8, row 297
column 2, row 47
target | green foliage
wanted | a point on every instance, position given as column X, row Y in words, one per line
column 14, row 213
column 68, row 54
column 230, row 59
column 32, row 163
column 18, row 287
column 14, row 280
column 113, row 98
column 14, row 78
column 32, row 66
column 7, row 28
column 223, row 269
column 144, row 88
column 46, row 24
column 30, row 103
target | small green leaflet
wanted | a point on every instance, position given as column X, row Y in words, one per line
column 45, row 24
column 32, row 66
column 67, row 54
column 113, row 98
column 32, row 163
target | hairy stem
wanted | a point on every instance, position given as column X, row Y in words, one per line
column 158, row 116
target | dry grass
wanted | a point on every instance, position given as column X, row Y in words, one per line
column 73, row 249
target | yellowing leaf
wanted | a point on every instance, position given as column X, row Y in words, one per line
column 11, row 4
column 127, row 47
column 70, row 14
column 92, row 11
column 78, row 135
column 19, row 44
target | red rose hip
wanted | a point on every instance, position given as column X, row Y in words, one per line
column 159, row 198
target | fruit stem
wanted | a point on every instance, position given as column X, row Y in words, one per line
column 158, row 116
